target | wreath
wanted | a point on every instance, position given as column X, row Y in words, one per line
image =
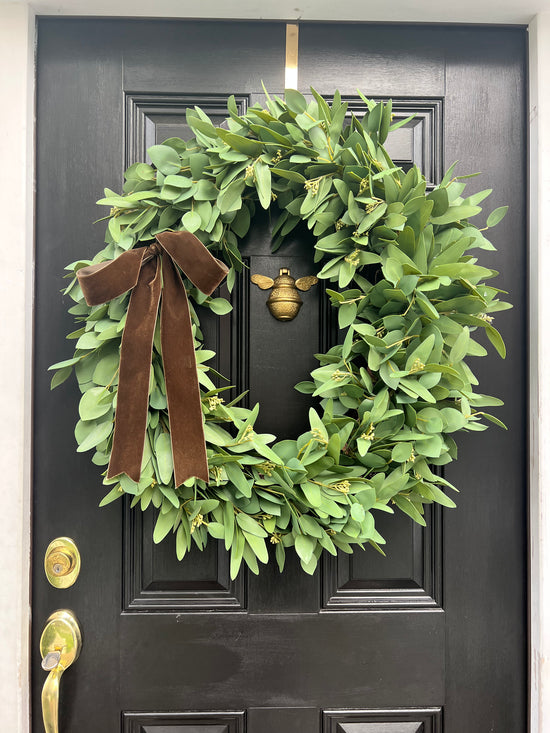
column 410, row 298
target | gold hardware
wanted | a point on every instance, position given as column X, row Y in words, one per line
column 284, row 301
column 62, row 562
column 291, row 56
column 60, row 645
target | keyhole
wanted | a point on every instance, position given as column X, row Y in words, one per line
column 61, row 563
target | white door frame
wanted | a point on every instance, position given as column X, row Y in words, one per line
column 17, row 66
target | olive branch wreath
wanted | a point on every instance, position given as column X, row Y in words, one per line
column 410, row 298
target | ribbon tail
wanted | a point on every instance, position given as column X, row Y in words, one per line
column 135, row 369
column 182, row 384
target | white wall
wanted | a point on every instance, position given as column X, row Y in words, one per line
column 16, row 156
column 539, row 274
column 16, row 291
column 419, row 11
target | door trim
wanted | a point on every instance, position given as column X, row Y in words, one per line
column 17, row 42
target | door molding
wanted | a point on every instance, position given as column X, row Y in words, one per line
column 17, row 43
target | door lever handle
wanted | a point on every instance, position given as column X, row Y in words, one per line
column 60, row 646
column 51, row 660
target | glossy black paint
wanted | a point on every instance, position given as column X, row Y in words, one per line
column 432, row 638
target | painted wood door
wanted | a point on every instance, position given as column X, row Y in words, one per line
column 430, row 639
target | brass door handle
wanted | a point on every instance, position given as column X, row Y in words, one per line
column 60, row 646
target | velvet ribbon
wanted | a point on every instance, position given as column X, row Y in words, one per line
column 147, row 271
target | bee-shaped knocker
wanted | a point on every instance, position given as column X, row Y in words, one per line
column 284, row 301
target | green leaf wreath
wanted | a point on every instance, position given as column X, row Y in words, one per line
column 410, row 298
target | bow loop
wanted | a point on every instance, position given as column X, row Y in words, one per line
column 139, row 270
column 204, row 271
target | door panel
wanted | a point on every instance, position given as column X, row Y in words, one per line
column 368, row 644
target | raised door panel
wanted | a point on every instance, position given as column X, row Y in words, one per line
column 417, row 720
column 219, row 722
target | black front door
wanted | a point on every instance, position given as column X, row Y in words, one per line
column 431, row 638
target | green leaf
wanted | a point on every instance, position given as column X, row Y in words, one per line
column 237, row 549
column 494, row 420
column 241, row 222
column 409, row 508
column 257, row 545
column 216, row 435
column 454, row 419
column 263, row 184
column 456, row 213
column 250, row 147
column 346, row 314
column 496, row 216
column 165, row 159
column 250, row 525
column 496, row 339
column 388, row 372
column 304, row 547
column 92, row 405
column 318, row 138
column 440, row 197
column 220, row 306
column 89, row 340
column 229, row 198
column 311, row 566
column 163, row 454
column 60, row 376
column 113, row 495
column 400, row 123
column 460, row 346
column 309, row 526
column 236, row 475
column 317, row 424
column 312, row 493
column 191, row 221
column 97, row 434
column 216, row 530
column 289, row 175
column 229, row 523
column 178, row 181
column 431, row 448
column 202, row 126
column 426, row 305
column 280, row 556
column 421, row 353
column 66, row 363
column 401, row 452
column 106, row 368
column 429, row 420
column 296, row 102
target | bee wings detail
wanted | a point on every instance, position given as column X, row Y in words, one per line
column 304, row 283
column 262, row 281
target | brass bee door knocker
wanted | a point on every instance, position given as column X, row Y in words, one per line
column 284, row 301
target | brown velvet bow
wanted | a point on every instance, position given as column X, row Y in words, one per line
column 146, row 271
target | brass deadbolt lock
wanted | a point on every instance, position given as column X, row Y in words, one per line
column 284, row 301
column 62, row 562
